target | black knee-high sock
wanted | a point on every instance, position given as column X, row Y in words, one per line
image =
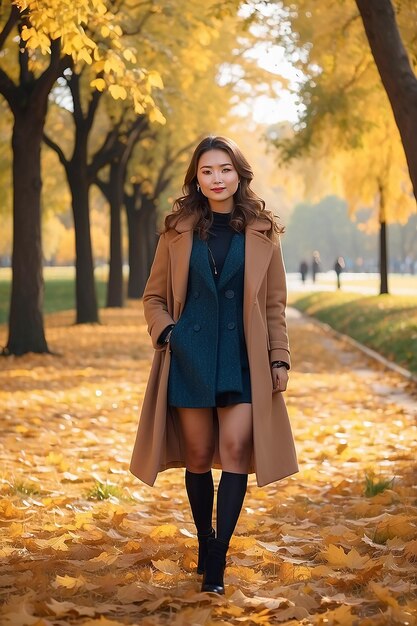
column 230, row 496
column 200, row 490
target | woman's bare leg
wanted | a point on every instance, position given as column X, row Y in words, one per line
column 235, row 437
column 198, row 432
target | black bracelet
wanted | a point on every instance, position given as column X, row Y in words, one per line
column 280, row 364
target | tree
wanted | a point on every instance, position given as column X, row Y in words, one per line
column 377, row 178
column 113, row 190
column 343, row 101
column 194, row 103
column 81, row 171
column 141, row 209
column 39, row 40
column 83, row 165
column 397, row 75
column 28, row 102
column 156, row 45
column 324, row 226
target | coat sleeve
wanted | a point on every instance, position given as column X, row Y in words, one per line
column 155, row 294
column 276, row 301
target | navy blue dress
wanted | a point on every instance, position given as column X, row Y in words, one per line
column 209, row 362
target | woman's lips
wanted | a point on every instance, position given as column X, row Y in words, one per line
column 218, row 189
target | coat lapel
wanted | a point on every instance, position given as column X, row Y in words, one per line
column 258, row 252
column 201, row 262
column 233, row 260
column 180, row 252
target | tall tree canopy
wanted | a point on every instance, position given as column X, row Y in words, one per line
column 345, row 109
column 39, row 40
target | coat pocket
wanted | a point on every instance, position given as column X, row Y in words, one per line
column 176, row 332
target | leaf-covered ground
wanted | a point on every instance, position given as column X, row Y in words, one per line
column 83, row 542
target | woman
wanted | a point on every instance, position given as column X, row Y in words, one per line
column 215, row 307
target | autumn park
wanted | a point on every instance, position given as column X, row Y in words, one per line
column 102, row 103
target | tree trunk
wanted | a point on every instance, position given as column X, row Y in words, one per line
column 396, row 73
column 383, row 258
column 115, row 282
column 142, row 243
column 152, row 233
column 133, row 228
column 28, row 101
column 383, row 248
column 86, row 298
column 26, row 331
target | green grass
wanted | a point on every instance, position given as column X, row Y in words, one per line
column 59, row 292
column 387, row 324
column 22, row 488
column 373, row 487
column 104, row 491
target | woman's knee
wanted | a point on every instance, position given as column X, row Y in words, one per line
column 235, row 450
column 199, row 458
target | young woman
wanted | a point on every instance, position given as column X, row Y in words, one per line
column 215, row 307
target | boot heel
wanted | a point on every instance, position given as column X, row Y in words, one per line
column 215, row 566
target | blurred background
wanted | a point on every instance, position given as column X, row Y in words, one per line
column 102, row 106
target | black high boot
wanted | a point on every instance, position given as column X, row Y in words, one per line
column 203, row 549
column 215, row 566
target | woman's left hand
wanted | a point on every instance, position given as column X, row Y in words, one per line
column 279, row 378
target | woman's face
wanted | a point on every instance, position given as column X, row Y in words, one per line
column 217, row 176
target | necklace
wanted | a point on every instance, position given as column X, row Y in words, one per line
column 214, row 262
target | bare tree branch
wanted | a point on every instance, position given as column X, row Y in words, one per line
column 163, row 179
column 49, row 142
column 139, row 27
column 92, row 108
column 56, row 68
column 103, row 186
column 26, row 76
column 9, row 25
column 137, row 5
column 8, row 90
column 74, row 85
column 112, row 146
column 104, row 154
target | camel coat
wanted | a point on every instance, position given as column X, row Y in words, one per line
column 159, row 444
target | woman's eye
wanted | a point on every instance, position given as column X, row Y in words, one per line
column 207, row 172
column 227, row 169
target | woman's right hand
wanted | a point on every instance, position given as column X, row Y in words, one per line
column 279, row 378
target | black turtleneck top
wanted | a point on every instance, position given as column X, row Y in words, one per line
column 220, row 236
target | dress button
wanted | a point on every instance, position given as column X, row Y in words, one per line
column 196, row 327
column 230, row 293
column 231, row 325
column 196, row 294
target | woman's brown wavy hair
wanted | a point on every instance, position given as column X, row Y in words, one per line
column 247, row 205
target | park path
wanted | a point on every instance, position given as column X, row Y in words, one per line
column 83, row 542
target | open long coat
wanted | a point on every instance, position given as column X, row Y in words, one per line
column 159, row 443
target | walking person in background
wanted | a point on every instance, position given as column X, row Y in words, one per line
column 215, row 308
column 339, row 266
column 303, row 270
column 315, row 265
